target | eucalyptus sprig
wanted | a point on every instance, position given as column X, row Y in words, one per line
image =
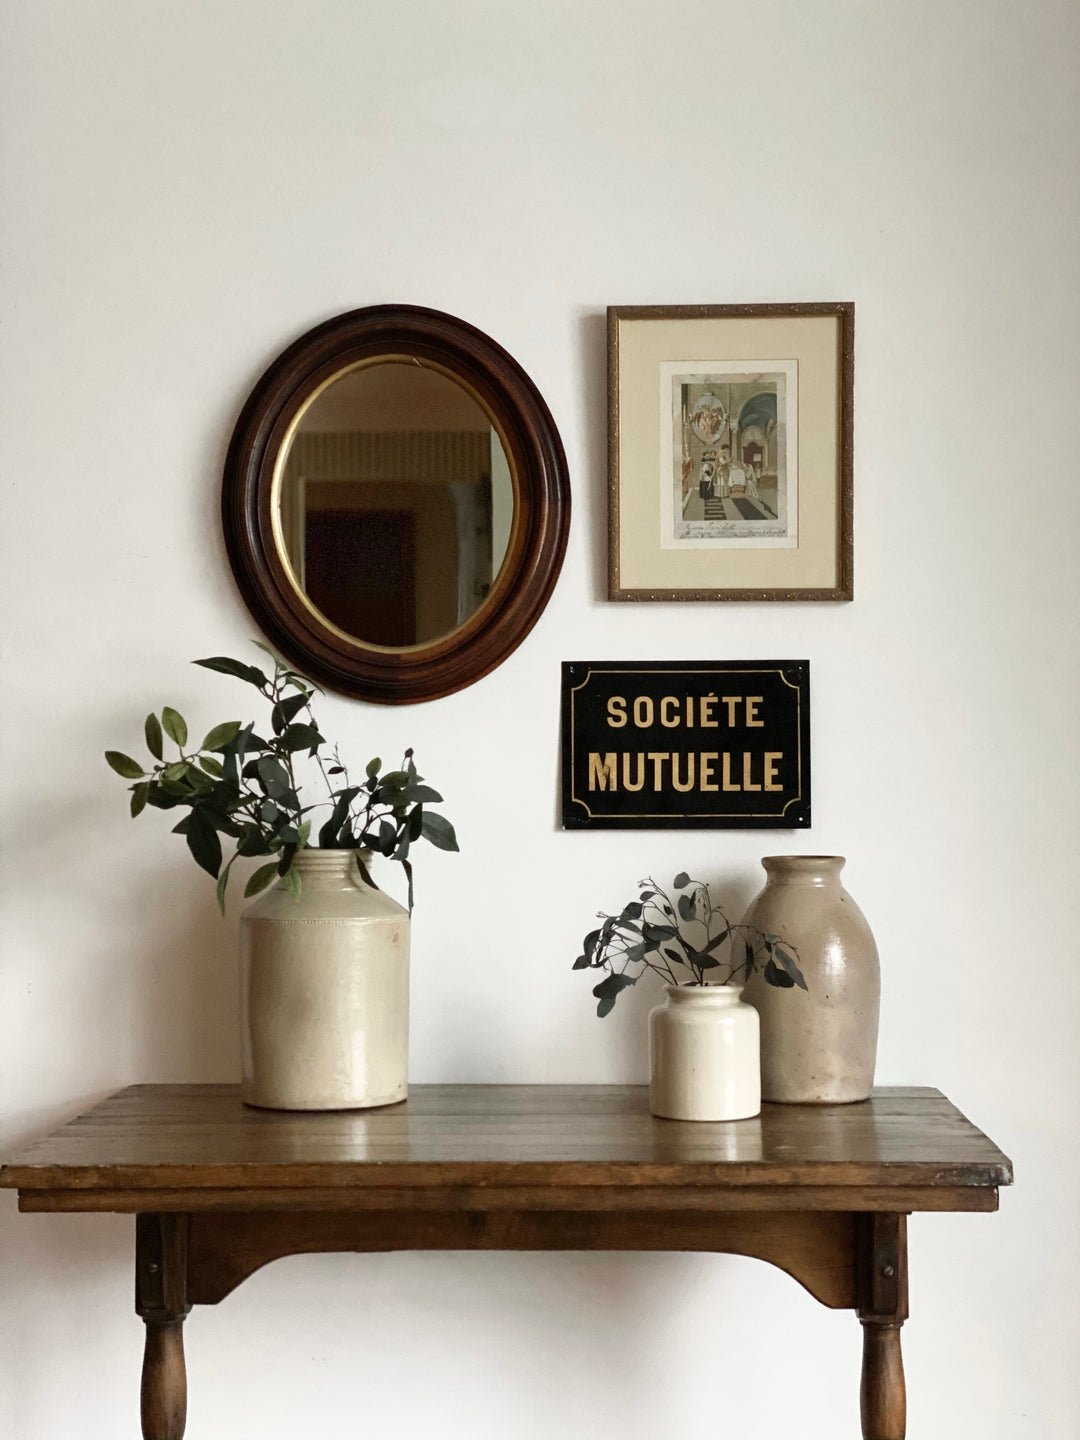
column 242, row 786
column 678, row 937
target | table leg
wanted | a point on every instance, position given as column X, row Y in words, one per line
column 881, row 1287
column 161, row 1248
column 164, row 1381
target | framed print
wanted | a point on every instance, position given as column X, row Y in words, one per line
column 730, row 452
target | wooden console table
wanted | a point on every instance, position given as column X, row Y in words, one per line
column 219, row 1190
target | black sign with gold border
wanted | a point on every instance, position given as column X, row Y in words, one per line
column 684, row 745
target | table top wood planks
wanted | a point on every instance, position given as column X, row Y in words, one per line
column 221, row 1189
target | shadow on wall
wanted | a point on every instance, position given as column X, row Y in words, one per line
column 592, row 364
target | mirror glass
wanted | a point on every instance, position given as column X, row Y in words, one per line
column 394, row 503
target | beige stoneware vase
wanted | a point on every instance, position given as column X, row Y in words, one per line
column 704, row 1049
column 818, row 1046
column 324, row 995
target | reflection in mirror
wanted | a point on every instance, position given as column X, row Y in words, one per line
column 395, row 503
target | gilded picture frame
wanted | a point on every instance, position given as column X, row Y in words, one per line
column 730, row 435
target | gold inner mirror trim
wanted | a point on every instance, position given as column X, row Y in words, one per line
column 500, row 582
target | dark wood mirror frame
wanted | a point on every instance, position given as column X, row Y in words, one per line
column 541, row 504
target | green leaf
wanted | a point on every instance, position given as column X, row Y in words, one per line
column 153, row 737
column 285, row 711
column 174, row 725
column 251, row 673
column 223, row 880
column 273, row 775
column 301, row 737
column 702, row 959
column 681, row 880
column 658, row 933
column 292, row 883
column 221, row 735
column 439, row 831
column 138, row 797
column 406, row 865
column 775, row 976
column 203, row 843
column 161, row 799
column 303, row 834
column 612, row 985
column 373, row 767
column 124, row 765
column 253, row 842
column 790, row 965
column 258, row 881
column 176, row 772
column 687, row 908
column 329, row 834
column 285, row 863
column 211, row 766
column 421, row 795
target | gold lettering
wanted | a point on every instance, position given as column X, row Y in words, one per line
column 616, row 712
column 690, row 712
column 626, row 771
column 706, row 722
column 603, row 774
column 752, row 702
column 727, row 781
column 643, row 706
column 731, row 701
column 664, row 703
column 657, row 766
column 707, row 757
column 746, row 782
column 689, row 773
column 772, row 760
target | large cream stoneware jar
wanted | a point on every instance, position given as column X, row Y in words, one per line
column 705, row 1055
column 324, row 991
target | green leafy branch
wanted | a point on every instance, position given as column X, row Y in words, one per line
column 677, row 936
column 242, row 786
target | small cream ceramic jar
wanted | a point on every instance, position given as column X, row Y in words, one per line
column 705, row 1050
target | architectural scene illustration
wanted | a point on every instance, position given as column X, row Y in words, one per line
column 731, row 468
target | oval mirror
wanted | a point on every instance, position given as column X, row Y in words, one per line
column 396, row 504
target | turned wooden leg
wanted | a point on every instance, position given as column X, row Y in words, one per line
column 161, row 1300
column 881, row 1287
column 882, row 1396
column 164, row 1381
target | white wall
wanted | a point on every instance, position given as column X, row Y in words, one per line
column 188, row 187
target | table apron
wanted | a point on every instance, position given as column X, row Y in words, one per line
column 531, row 1199
column 818, row 1248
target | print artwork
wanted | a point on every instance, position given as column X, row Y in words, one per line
column 732, row 473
